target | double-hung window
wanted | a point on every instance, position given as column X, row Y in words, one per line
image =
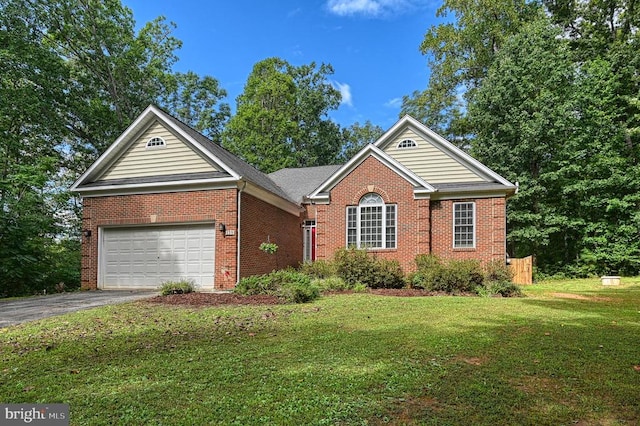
column 372, row 223
column 464, row 225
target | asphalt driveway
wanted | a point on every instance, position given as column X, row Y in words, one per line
column 33, row 308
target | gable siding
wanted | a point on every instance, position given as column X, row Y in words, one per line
column 176, row 158
column 429, row 162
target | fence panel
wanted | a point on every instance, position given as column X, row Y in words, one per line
column 522, row 270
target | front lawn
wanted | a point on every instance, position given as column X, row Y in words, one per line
column 566, row 354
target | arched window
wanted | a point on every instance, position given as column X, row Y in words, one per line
column 156, row 142
column 372, row 223
column 407, row 144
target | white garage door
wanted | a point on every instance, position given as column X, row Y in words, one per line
column 142, row 258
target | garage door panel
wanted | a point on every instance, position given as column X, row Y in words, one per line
column 145, row 257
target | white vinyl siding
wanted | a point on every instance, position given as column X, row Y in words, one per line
column 371, row 224
column 142, row 258
column 429, row 162
column 175, row 158
column 464, row 225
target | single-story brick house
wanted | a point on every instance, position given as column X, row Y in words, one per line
column 164, row 202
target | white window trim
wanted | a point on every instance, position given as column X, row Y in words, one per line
column 154, row 138
column 453, row 225
column 384, row 225
column 415, row 144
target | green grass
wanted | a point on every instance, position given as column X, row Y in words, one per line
column 563, row 355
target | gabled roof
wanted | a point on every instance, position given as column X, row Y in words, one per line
column 442, row 144
column 493, row 183
column 232, row 169
column 229, row 171
column 320, row 194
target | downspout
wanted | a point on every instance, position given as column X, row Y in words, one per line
column 238, row 204
column 315, row 237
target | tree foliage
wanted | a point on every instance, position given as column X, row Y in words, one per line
column 549, row 99
column 281, row 119
column 73, row 75
column 356, row 137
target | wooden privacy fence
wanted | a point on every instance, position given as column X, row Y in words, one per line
column 522, row 270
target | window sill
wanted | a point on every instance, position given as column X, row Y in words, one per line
column 380, row 250
column 464, row 249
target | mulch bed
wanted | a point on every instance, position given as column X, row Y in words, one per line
column 215, row 299
column 222, row 299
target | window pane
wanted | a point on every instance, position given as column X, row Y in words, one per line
column 463, row 230
column 371, row 226
column 391, row 227
column 352, row 223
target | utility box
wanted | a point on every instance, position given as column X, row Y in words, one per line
column 611, row 280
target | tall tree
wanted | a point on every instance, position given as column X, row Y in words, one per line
column 32, row 83
column 282, row 117
column 523, row 116
column 356, row 137
column 459, row 55
column 196, row 100
column 74, row 74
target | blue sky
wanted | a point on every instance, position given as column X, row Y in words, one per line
column 373, row 45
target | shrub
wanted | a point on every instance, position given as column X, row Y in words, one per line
column 387, row 274
column 177, row 287
column 427, row 261
column 353, row 265
column 504, row 289
column 319, row 269
column 297, row 292
column 286, row 284
column 454, row 276
column 357, row 266
column 497, row 270
column 331, row 284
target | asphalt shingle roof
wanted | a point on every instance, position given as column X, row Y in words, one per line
column 299, row 182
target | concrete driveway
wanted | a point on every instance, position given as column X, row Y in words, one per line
column 33, row 308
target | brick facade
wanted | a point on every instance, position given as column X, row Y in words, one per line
column 260, row 222
column 263, row 222
column 217, row 206
column 423, row 225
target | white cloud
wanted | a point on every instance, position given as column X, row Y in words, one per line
column 394, row 103
column 345, row 91
column 370, row 8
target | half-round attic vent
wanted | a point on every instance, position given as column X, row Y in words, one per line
column 407, row 144
column 156, row 142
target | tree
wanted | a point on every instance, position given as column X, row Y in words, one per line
column 281, row 119
column 356, row 137
column 195, row 100
column 31, row 94
column 523, row 116
column 74, row 74
column 460, row 54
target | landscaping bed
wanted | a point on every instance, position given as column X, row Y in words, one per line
column 215, row 299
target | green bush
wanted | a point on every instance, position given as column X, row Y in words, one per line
column 297, row 292
column 286, row 284
column 503, row 288
column 453, row 276
column 497, row 270
column 331, row 284
column 425, row 262
column 357, row 266
column 319, row 269
column 177, row 287
column 387, row 274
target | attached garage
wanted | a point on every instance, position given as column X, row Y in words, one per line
column 144, row 257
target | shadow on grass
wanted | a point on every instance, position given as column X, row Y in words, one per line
column 525, row 361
